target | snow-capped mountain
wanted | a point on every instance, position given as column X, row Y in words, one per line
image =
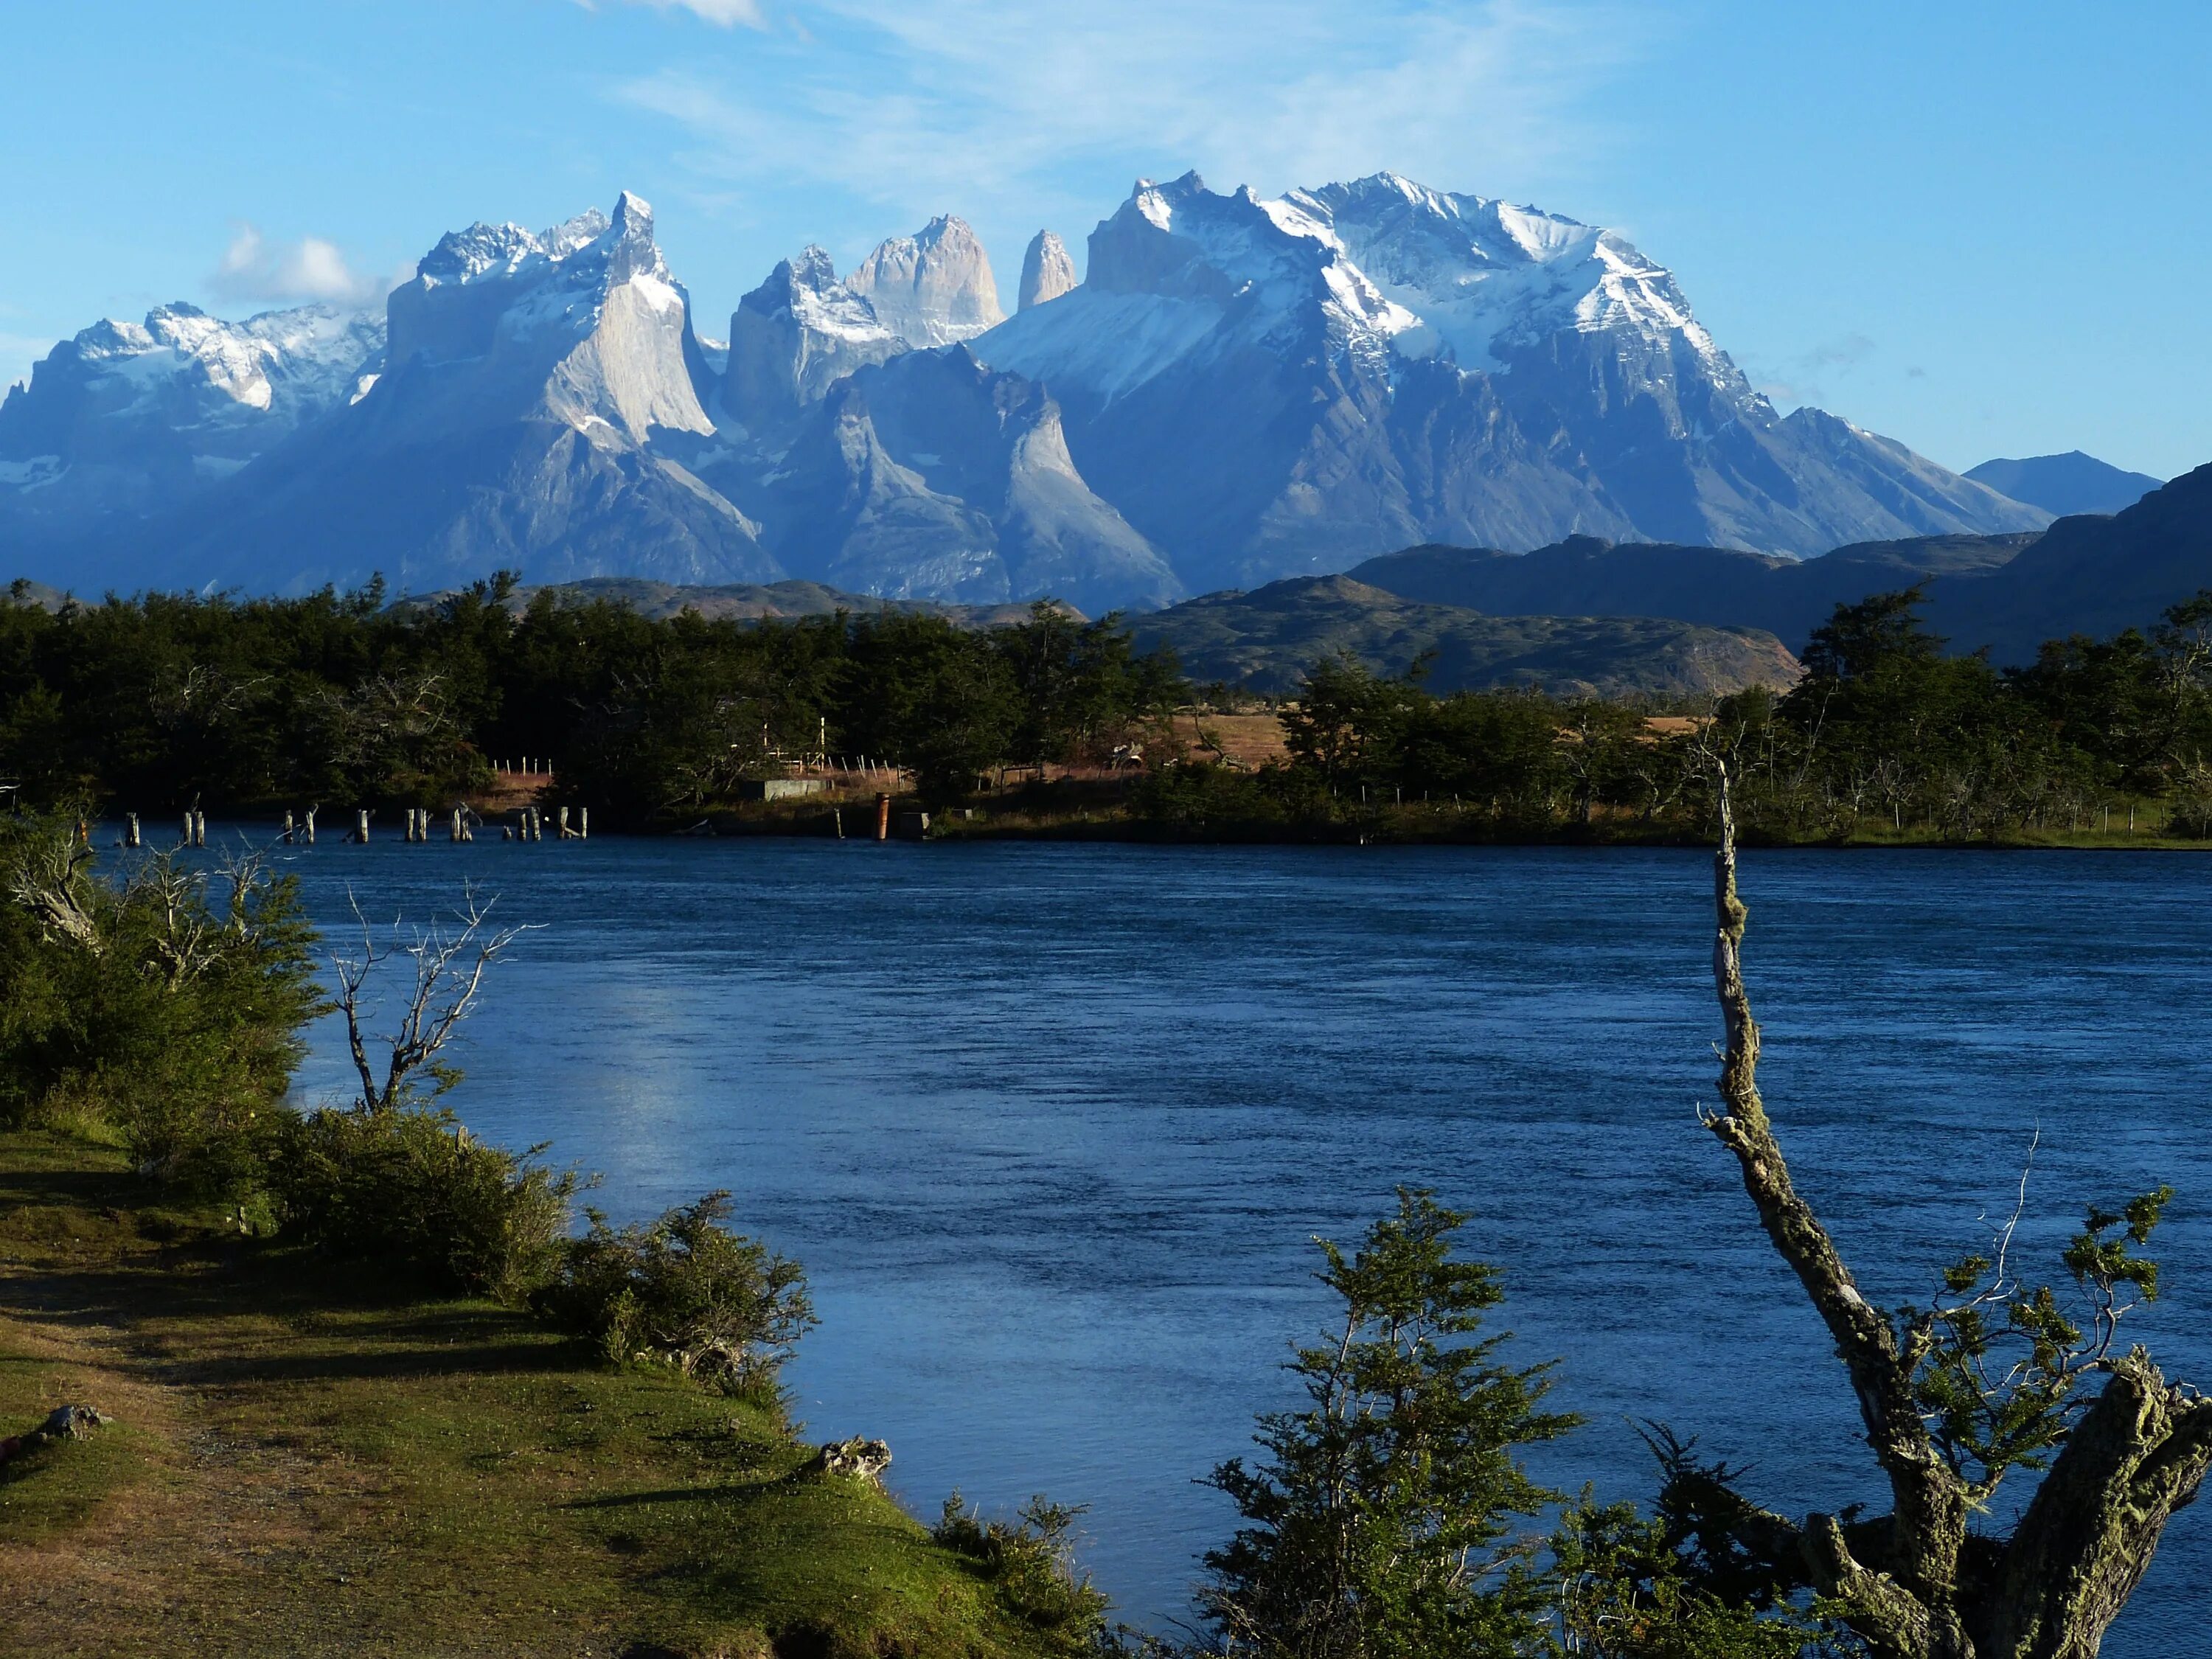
column 1238, row 389
column 933, row 288
column 1266, row 387
column 130, row 418
column 534, row 388
column 794, row 337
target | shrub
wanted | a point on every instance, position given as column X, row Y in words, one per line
column 410, row 1189
column 686, row 1291
column 1030, row 1564
column 166, row 1009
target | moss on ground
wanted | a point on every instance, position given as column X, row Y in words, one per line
column 300, row 1465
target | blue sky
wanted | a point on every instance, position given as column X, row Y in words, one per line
column 1975, row 227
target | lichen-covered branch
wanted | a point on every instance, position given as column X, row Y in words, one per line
column 1929, row 1514
column 2138, row 1454
column 1917, row 1584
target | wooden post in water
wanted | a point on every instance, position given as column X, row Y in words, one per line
column 456, row 826
column 883, row 817
column 310, row 826
column 583, row 823
column 187, row 840
column 837, row 818
column 287, row 836
column 131, row 830
column 563, row 834
column 361, row 826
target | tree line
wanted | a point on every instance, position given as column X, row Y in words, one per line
column 1885, row 733
column 250, row 705
column 260, row 705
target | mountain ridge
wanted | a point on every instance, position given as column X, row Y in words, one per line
column 1239, row 389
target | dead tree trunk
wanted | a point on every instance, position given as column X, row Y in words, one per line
column 1915, row 1584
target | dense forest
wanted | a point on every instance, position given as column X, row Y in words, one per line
column 259, row 704
column 346, row 701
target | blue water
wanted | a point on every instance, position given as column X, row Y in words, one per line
column 1051, row 1127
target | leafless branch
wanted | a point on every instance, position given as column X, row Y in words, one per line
column 450, row 963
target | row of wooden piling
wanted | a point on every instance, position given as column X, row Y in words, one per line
column 299, row 827
column 133, row 836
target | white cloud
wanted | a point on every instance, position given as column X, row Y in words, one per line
column 1808, row 376
column 254, row 269
column 722, row 13
column 922, row 101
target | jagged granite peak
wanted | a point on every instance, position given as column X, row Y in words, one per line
column 584, row 324
column 533, row 386
column 1047, row 272
column 1271, row 387
column 795, row 336
column 933, row 288
column 127, row 418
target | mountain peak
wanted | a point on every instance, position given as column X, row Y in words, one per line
column 1047, row 270
column 2067, row 483
column 933, row 288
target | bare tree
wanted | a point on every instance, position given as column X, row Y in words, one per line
column 52, row 882
column 1947, row 1415
column 449, row 962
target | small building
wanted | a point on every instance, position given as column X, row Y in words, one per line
column 781, row 789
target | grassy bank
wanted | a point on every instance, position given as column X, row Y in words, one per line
column 301, row 1464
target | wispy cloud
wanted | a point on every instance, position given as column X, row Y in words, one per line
column 255, row 269
column 724, row 13
column 1803, row 378
column 923, row 102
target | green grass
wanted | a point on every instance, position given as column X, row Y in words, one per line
column 331, row 1470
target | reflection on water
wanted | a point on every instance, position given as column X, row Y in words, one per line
column 1051, row 1125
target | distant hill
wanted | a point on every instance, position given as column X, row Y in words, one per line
column 753, row 602
column 2086, row 575
column 1719, row 586
column 2064, row 484
column 1268, row 637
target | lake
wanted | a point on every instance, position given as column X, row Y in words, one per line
column 1052, row 1127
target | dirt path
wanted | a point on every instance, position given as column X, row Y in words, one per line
column 191, row 1519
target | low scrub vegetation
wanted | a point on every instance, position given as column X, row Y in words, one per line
column 681, row 1289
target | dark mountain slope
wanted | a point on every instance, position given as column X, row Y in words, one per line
column 1267, row 638
column 1718, row 586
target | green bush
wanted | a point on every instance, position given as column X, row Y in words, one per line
column 164, row 1010
column 1030, row 1564
column 684, row 1289
column 409, row 1189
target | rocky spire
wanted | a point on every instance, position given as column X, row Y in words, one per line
column 933, row 288
column 1047, row 272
